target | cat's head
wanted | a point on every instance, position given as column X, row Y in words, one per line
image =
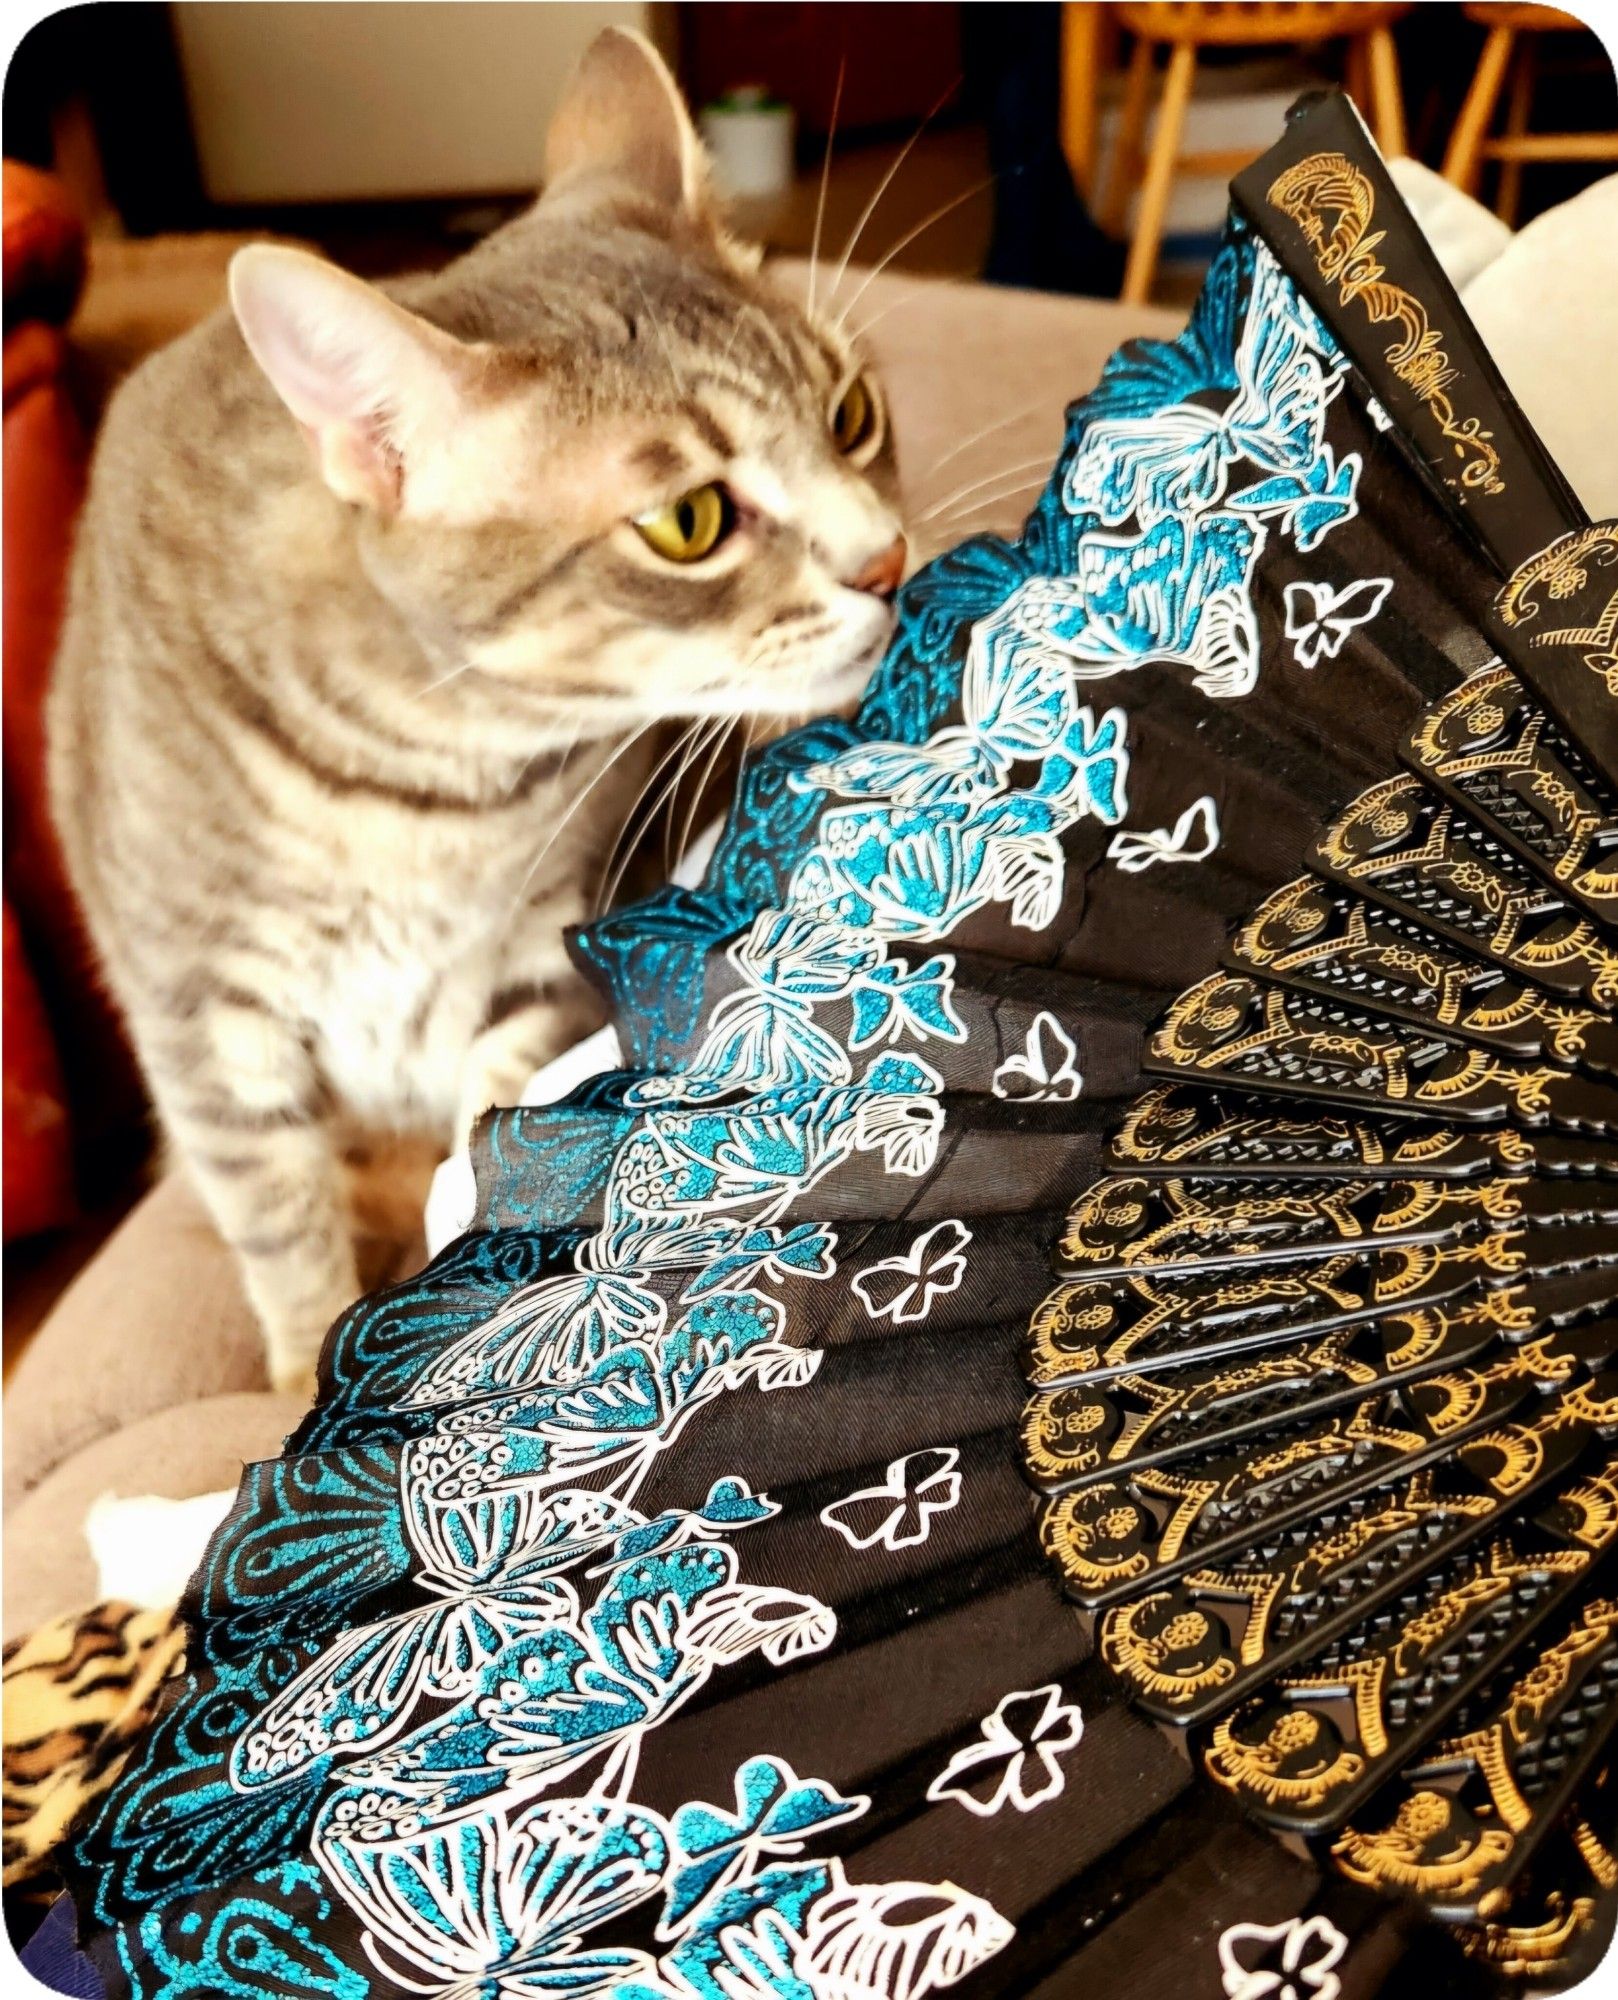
column 601, row 460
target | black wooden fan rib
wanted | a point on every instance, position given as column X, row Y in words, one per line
column 1324, row 1405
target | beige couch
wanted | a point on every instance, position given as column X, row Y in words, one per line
column 147, row 1376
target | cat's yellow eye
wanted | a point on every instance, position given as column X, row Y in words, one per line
column 688, row 528
column 854, row 419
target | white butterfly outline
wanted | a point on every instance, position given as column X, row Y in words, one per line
column 1056, row 1084
column 1319, row 620
column 1136, row 852
column 1058, row 1729
column 934, row 1275
column 913, row 1508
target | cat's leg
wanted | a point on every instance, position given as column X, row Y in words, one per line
column 241, row 1098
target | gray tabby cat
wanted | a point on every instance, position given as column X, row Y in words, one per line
column 330, row 687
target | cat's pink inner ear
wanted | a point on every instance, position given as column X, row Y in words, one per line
column 623, row 120
column 369, row 383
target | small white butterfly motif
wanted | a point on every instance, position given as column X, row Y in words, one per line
column 1046, row 1069
column 1016, row 1758
column 1319, row 619
column 1193, row 837
column 903, row 1288
column 1292, row 1960
column 899, row 1513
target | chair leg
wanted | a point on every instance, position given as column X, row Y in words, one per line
column 1508, row 199
column 1081, row 35
column 1154, row 195
column 1387, row 97
column 1113, row 210
column 1465, row 154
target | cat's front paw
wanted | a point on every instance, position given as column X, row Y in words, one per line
column 292, row 1358
column 501, row 1061
column 294, row 1378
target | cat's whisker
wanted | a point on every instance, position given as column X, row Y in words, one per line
column 980, row 437
column 669, row 787
column 443, row 680
column 881, row 189
column 561, row 825
column 945, row 523
column 921, row 290
column 643, row 807
column 544, row 749
column 697, row 735
column 635, row 824
column 991, row 499
column 722, row 736
column 909, row 237
column 977, row 485
column 825, row 182
column 662, row 339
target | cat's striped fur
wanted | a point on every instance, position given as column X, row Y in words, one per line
column 328, row 704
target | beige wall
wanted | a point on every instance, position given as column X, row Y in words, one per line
column 337, row 100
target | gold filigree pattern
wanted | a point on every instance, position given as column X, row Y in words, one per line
column 1173, row 1127
column 1492, row 743
column 1233, row 1029
column 1333, row 204
column 1432, row 1847
column 1557, row 574
column 1453, row 1846
column 1414, row 851
column 1324, row 1401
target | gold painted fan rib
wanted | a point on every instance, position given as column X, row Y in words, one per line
column 1090, row 1429
column 1107, row 1536
column 1308, row 1750
column 1179, row 1130
column 1462, row 1821
column 1411, row 850
column 1170, row 1226
column 1190, row 1648
column 1492, row 750
column 1327, row 940
column 1064, row 1351
column 1094, row 1327
column 1247, row 1034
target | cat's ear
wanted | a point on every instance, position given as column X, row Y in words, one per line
column 623, row 120
column 370, row 383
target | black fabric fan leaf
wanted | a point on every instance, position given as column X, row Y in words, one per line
column 1052, row 1431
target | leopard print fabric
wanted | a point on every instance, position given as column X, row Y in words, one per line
column 75, row 1694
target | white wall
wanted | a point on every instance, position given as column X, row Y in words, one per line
column 349, row 99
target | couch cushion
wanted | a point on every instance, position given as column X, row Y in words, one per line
column 158, row 1317
column 199, row 1447
column 1547, row 307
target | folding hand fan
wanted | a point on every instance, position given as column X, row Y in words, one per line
column 1189, row 983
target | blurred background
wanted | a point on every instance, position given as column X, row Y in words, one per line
column 401, row 130
column 1079, row 150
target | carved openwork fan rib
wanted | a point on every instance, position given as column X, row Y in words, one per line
column 1325, row 1401
column 741, row 1566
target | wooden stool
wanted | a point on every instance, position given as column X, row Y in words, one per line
column 1511, row 51
column 1372, row 71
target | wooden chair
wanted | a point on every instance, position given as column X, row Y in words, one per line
column 1511, row 56
column 1183, row 30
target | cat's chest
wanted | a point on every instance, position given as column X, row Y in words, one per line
column 403, row 993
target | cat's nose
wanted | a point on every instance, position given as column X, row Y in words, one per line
column 883, row 574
